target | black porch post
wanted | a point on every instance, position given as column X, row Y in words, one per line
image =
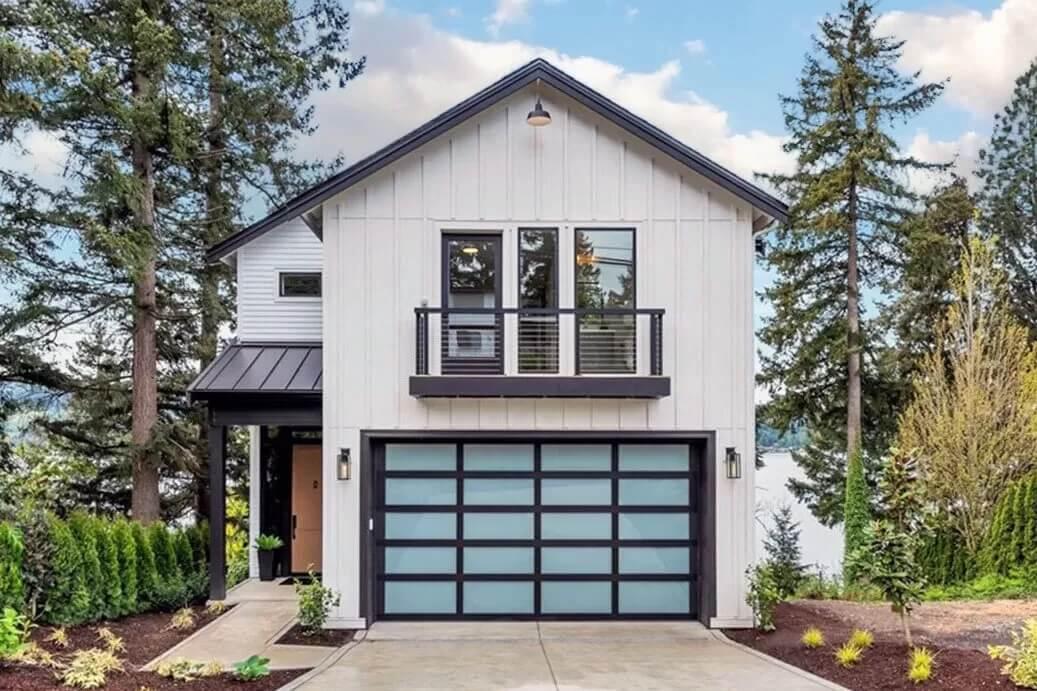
column 217, row 512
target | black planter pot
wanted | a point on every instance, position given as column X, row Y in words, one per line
column 266, row 565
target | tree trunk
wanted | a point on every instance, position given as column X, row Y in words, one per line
column 145, row 503
column 907, row 629
column 853, row 333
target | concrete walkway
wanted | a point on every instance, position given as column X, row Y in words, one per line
column 553, row 656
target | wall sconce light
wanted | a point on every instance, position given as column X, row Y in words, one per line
column 343, row 464
column 733, row 463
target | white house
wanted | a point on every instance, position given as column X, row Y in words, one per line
column 503, row 368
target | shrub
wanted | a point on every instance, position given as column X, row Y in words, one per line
column 111, row 576
column 268, row 543
column 886, row 560
column 818, row 586
column 862, row 638
column 195, row 579
column 181, row 669
column 14, row 630
column 82, row 527
column 856, row 512
column 315, row 603
column 182, row 620
column 1020, row 657
column 762, row 595
column 37, row 575
column 171, row 591
column 216, row 608
column 33, row 655
column 848, row 655
column 813, row 638
column 781, row 543
column 88, row 669
column 199, row 535
column 12, row 591
column 920, row 665
column 147, row 575
column 59, row 637
column 237, row 571
column 126, row 553
column 111, row 641
column 67, row 600
column 255, row 667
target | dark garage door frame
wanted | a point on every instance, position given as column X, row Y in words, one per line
column 703, row 450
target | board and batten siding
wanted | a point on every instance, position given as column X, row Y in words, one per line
column 495, row 173
column 262, row 314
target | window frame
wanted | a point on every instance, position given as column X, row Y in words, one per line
column 279, row 275
column 556, row 296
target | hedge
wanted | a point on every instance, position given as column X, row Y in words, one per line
column 126, row 552
column 82, row 528
column 66, row 601
column 12, row 589
column 111, row 576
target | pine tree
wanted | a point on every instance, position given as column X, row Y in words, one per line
column 824, row 363
column 1008, row 170
column 781, row 543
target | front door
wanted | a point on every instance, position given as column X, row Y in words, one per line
column 306, row 508
column 472, row 332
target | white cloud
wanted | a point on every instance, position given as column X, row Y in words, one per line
column 452, row 11
column 369, row 6
column 40, row 155
column 507, row 12
column 962, row 153
column 982, row 54
column 401, row 89
column 631, row 13
column 695, row 46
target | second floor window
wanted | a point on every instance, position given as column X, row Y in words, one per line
column 299, row 284
column 605, row 280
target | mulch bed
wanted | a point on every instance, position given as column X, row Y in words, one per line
column 145, row 637
column 884, row 665
column 327, row 637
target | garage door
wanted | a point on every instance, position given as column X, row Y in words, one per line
column 536, row 530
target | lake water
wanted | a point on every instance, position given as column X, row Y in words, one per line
column 819, row 545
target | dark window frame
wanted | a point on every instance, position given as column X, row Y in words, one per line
column 491, row 365
column 281, row 275
column 555, row 298
column 576, row 292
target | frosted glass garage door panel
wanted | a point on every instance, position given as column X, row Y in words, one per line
column 575, row 597
column 576, row 457
column 488, row 492
column 498, row 457
column 421, row 457
column 405, row 490
column 498, row 526
column 420, row 560
column 671, row 560
column 654, row 457
column 498, row 560
column 583, row 491
column 576, row 526
column 498, row 597
column 576, row 560
column 420, row 526
column 654, row 597
column 653, row 526
column 653, row 492
column 420, row 597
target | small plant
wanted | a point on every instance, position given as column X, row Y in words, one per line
column 813, row 638
column 862, row 638
column 763, row 595
column 89, row 669
column 111, row 642
column 848, row 655
column 920, row 668
column 14, row 629
column 182, row 669
column 268, row 543
column 781, row 543
column 1020, row 658
column 216, row 608
column 58, row 636
column 182, row 620
column 212, row 668
column 32, row 654
column 255, row 667
column 315, row 603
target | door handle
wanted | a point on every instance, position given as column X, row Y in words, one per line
column 295, row 522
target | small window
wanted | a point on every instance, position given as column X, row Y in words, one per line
column 300, row 284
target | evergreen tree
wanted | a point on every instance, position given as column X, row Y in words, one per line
column 825, row 363
column 1008, row 170
column 1017, row 545
column 857, row 515
column 82, row 528
column 67, row 599
column 111, row 576
column 781, row 543
column 149, row 584
column 1030, row 534
column 126, row 551
column 12, row 589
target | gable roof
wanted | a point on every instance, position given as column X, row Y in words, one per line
column 538, row 69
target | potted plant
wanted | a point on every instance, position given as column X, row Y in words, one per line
column 265, row 545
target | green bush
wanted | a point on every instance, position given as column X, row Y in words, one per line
column 1020, row 657
column 170, row 592
column 14, row 630
column 111, row 576
column 195, row 579
column 148, row 584
column 12, row 591
column 199, row 536
column 763, row 595
column 126, row 553
column 315, row 603
column 781, row 543
column 67, row 601
column 38, row 576
column 856, row 513
column 82, row 527
column 943, row 558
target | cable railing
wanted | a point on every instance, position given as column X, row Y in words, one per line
column 604, row 341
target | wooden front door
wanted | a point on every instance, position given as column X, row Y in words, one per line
column 306, row 508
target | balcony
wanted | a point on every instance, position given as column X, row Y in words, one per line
column 539, row 352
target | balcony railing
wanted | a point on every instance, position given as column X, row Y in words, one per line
column 473, row 340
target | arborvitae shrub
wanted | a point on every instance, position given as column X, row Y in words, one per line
column 199, row 536
column 82, row 528
column 12, row 591
column 195, row 582
column 856, row 512
column 126, row 553
column 147, row 575
column 1030, row 535
column 67, row 600
column 111, row 575
column 1017, row 549
column 171, row 591
column 994, row 557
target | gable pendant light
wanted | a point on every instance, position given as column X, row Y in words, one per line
column 538, row 117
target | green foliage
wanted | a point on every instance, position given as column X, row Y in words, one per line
column 1021, row 583
column 148, row 581
column 255, row 667
column 818, row 586
column 315, row 603
column 920, row 665
column 89, row 669
column 1020, row 657
column 862, row 638
column 781, row 544
column 943, row 558
column 762, row 595
column 14, row 631
column 82, row 527
column 268, row 543
column 195, row 578
column 38, row 576
column 171, row 591
column 856, row 514
column 126, row 553
column 886, row 560
column 12, row 590
column 111, row 575
column 67, row 600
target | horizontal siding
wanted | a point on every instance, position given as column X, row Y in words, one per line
column 262, row 315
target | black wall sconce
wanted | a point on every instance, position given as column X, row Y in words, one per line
column 343, row 465
column 733, row 463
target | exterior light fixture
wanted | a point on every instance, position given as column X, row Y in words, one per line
column 733, row 463
column 538, row 117
column 470, row 250
column 343, row 465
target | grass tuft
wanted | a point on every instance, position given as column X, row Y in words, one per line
column 862, row 638
column 920, row 669
column 848, row 655
column 813, row 638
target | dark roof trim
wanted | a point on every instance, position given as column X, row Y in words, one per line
column 523, row 76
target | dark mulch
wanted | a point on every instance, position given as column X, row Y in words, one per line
column 145, row 637
column 327, row 637
column 884, row 665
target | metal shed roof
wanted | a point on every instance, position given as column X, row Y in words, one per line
column 261, row 368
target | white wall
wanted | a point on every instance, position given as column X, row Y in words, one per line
column 262, row 314
column 494, row 172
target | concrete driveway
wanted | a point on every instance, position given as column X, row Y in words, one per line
column 523, row 656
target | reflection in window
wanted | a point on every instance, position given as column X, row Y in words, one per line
column 538, row 288
column 605, row 279
column 299, row 284
column 472, row 340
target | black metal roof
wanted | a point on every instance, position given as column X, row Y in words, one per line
column 523, row 76
column 261, row 368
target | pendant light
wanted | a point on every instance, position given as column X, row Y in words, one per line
column 538, row 117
